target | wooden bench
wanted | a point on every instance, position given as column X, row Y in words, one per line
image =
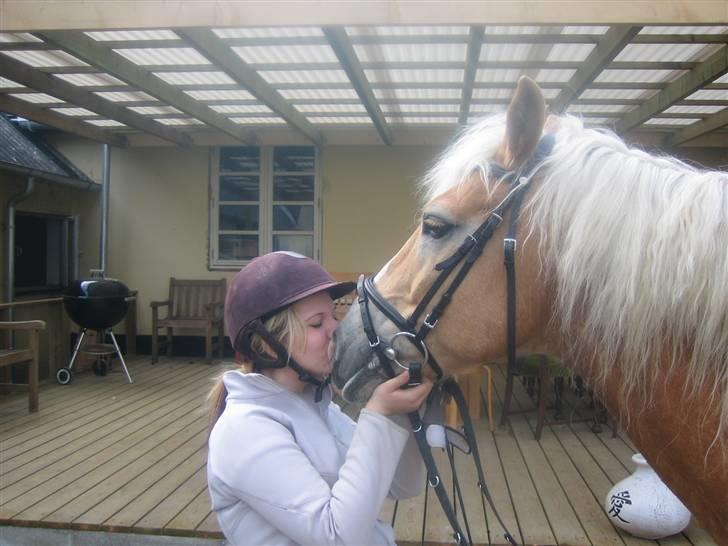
column 29, row 356
column 192, row 304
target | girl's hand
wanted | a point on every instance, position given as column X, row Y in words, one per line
column 390, row 398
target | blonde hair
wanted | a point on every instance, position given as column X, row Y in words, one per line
column 285, row 326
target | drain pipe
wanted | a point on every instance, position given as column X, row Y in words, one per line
column 105, row 179
column 10, row 243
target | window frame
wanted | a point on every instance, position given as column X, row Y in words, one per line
column 265, row 206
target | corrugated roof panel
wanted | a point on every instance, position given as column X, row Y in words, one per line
column 194, row 78
column 268, row 120
column 414, row 52
column 694, row 109
column 505, row 52
column 37, row 98
column 125, row 96
column 395, row 30
column 420, row 108
column 242, row 109
column 45, row 58
column 178, row 121
column 422, row 120
column 709, row 94
column 222, row 94
column 600, row 108
column 666, row 52
column 497, row 75
column 488, row 108
column 684, row 30
column 492, row 93
column 304, row 76
column 554, row 75
column 514, row 29
column 267, row 32
column 305, row 94
column 570, row 52
column 330, row 108
column 90, row 80
column 671, row 121
column 340, row 120
column 404, row 94
column 584, row 30
column 74, row 112
column 637, row 76
column 171, row 56
column 722, row 79
column 4, row 82
column 105, row 122
column 286, row 54
column 415, row 75
column 618, row 93
column 131, row 35
column 154, row 110
column 15, row 37
column 549, row 93
column 607, row 122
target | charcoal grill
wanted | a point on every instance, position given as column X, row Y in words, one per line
column 95, row 304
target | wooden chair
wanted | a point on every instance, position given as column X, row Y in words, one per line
column 29, row 356
column 193, row 304
column 545, row 368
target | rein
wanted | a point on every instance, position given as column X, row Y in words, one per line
column 467, row 253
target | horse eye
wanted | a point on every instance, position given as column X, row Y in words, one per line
column 435, row 227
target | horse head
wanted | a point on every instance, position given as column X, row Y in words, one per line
column 473, row 328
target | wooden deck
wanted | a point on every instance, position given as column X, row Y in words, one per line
column 104, row 455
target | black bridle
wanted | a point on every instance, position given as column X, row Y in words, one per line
column 466, row 254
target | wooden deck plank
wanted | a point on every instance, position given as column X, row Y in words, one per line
column 54, row 398
column 90, row 414
column 90, row 486
column 96, row 439
column 132, row 500
column 193, row 515
column 174, row 503
column 38, row 485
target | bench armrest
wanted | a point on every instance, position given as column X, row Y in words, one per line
column 155, row 304
column 23, row 325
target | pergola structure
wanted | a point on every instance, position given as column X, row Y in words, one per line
column 190, row 72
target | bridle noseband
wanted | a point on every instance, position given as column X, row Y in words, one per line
column 466, row 254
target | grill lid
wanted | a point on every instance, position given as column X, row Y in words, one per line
column 97, row 288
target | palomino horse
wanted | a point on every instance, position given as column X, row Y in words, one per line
column 622, row 268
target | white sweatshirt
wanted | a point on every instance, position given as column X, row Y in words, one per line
column 283, row 470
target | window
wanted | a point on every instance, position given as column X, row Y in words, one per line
column 44, row 250
column 263, row 199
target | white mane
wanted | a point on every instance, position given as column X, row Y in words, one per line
column 642, row 240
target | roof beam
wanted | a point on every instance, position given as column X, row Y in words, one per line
column 39, row 81
column 615, row 39
column 707, row 125
column 341, row 45
column 471, row 68
column 713, row 67
column 59, row 121
column 90, row 51
column 26, row 15
column 221, row 55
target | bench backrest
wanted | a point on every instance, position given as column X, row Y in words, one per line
column 189, row 297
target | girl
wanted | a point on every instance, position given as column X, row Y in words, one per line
column 285, row 465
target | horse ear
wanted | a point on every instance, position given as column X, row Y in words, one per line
column 524, row 124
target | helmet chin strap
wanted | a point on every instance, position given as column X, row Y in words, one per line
column 282, row 359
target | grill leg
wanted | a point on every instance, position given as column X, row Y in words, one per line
column 78, row 346
column 118, row 351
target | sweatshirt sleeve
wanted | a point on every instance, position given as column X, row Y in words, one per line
column 276, row 479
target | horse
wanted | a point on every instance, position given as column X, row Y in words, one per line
column 622, row 269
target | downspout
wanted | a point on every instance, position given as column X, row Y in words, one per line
column 105, row 179
column 10, row 243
